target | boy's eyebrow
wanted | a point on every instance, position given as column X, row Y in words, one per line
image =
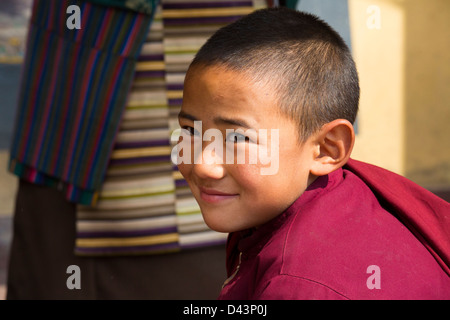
column 234, row 122
column 218, row 120
column 185, row 115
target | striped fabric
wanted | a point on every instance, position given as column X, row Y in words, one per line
column 143, row 6
column 135, row 209
column 145, row 205
column 72, row 96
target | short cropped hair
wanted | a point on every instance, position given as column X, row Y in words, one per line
column 300, row 56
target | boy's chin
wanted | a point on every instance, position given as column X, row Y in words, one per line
column 219, row 225
column 221, row 228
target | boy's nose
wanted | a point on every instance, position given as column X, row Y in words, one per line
column 210, row 167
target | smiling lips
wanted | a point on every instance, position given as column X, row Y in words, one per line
column 214, row 196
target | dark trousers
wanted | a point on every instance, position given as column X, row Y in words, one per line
column 42, row 250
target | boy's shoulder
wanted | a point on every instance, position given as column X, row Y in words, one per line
column 343, row 242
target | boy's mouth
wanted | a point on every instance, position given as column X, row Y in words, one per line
column 215, row 196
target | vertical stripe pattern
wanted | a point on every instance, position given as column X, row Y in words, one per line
column 73, row 92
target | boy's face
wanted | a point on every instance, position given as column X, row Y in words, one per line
column 235, row 196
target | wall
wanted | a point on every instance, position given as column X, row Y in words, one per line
column 402, row 53
column 427, row 92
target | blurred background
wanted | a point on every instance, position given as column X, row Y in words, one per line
column 14, row 15
column 402, row 52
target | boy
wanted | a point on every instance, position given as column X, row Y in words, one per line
column 323, row 226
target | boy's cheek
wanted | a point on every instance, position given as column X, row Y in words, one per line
column 246, row 175
column 185, row 170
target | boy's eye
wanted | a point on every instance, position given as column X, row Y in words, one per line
column 236, row 137
column 190, row 131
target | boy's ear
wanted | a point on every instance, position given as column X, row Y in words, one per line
column 333, row 145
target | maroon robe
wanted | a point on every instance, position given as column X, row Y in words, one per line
column 360, row 232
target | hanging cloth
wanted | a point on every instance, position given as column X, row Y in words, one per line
column 74, row 86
